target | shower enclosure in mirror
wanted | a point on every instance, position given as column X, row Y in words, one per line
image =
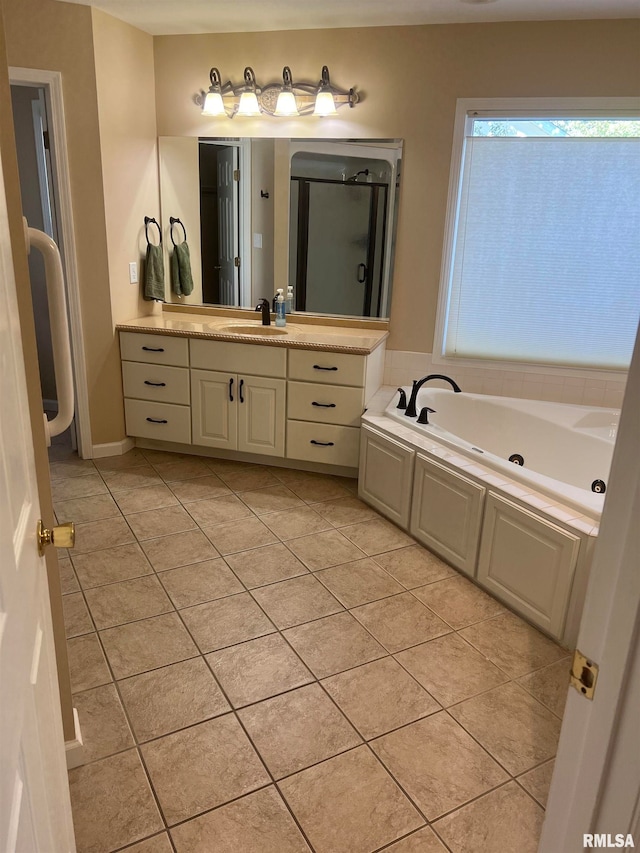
column 264, row 213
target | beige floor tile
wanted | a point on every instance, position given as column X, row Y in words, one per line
column 157, row 456
column 349, row 804
column 295, row 601
column 72, row 466
column 459, row 602
column 257, row 823
column 144, row 499
column 538, row 781
column 68, row 581
column 379, row 696
column 99, row 535
column 264, row 565
column 76, row 616
column 271, row 499
column 414, row 566
column 226, row 621
column 149, row 644
column 344, row 511
column 202, row 767
column 423, row 841
column 127, row 601
column 374, row 537
column 131, row 478
column 293, row 523
column 199, row 489
column 200, row 582
column 488, row 824
column 450, row 669
column 93, row 508
column 323, row 550
column 160, row 522
column 87, row 663
column 77, row 487
column 218, row 510
column 156, row 844
column 218, row 465
column 112, row 803
column 240, row 535
column 131, row 459
column 513, row 726
column 171, row 698
column 400, row 621
column 182, row 469
column 258, row 669
column 312, row 488
column 180, row 549
column 333, row 644
column 111, row 565
column 297, row 729
column 104, row 726
column 511, row 644
column 438, row 764
column 359, row 582
column 249, row 478
column 550, row 685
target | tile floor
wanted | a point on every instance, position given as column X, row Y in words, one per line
column 262, row 664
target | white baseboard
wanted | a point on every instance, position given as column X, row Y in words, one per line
column 74, row 749
column 113, row 448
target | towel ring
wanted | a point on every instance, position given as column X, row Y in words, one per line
column 147, row 220
column 173, row 220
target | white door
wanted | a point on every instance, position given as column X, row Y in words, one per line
column 35, row 811
column 228, row 225
column 214, row 409
column 261, row 415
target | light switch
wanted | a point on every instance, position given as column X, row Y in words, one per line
column 133, row 273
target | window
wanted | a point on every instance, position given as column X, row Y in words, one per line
column 542, row 260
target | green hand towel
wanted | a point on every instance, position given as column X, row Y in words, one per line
column 181, row 278
column 154, row 273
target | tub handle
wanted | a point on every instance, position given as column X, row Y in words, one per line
column 423, row 417
column 402, row 402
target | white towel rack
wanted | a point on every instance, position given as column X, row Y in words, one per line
column 59, row 329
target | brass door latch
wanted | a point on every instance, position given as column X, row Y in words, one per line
column 62, row 536
column 584, row 674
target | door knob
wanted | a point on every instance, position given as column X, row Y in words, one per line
column 62, row 536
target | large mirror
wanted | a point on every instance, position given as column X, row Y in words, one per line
column 318, row 215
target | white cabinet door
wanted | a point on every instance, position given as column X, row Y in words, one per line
column 386, row 472
column 214, row 409
column 527, row 562
column 261, row 415
column 446, row 513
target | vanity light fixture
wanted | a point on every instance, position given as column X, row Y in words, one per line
column 288, row 98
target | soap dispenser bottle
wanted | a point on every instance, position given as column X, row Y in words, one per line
column 289, row 303
column 281, row 319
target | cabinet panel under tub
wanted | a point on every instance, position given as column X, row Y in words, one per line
column 386, row 475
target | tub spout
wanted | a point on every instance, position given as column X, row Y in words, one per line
column 423, row 417
column 402, row 402
column 410, row 411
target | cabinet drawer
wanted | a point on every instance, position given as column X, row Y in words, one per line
column 239, row 358
column 329, row 404
column 156, row 382
column 164, row 421
column 335, row 368
column 334, row 445
column 154, row 349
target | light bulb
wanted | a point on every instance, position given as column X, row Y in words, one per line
column 248, row 105
column 213, row 105
column 286, row 105
column 325, row 105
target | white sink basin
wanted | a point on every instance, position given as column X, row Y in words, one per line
column 245, row 329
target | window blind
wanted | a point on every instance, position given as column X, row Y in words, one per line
column 546, row 258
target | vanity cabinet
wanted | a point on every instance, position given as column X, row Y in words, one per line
column 386, row 475
column 446, row 513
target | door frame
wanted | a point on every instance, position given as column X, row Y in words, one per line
column 51, row 82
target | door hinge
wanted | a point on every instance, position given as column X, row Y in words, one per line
column 45, row 139
column 236, row 174
column 236, row 262
column 584, row 674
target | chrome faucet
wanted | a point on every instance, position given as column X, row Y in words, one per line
column 263, row 305
column 410, row 411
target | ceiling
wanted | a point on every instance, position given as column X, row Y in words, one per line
column 172, row 17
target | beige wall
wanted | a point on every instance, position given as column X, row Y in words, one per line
column 438, row 64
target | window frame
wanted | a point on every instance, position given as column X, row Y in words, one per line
column 468, row 109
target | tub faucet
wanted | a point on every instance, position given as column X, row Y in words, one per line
column 410, row 411
column 263, row 305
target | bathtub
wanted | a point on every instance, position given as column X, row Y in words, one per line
column 564, row 449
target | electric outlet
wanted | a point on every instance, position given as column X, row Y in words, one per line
column 257, row 241
column 133, row 273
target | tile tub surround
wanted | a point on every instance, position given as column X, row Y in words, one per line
column 235, row 690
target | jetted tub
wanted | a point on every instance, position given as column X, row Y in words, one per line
column 565, row 449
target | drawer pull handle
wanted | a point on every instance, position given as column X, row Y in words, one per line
column 155, row 384
column 153, row 349
column 231, row 390
column 322, row 443
column 319, row 367
column 157, row 421
column 324, row 405
column 240, row 391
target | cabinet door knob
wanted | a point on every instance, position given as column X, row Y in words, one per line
column 231, row 390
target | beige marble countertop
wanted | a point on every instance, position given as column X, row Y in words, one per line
column 359, row 341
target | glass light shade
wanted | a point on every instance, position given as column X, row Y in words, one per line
column 286, row 105
column 213, row 105
column 325, row 105
column 248, row 105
